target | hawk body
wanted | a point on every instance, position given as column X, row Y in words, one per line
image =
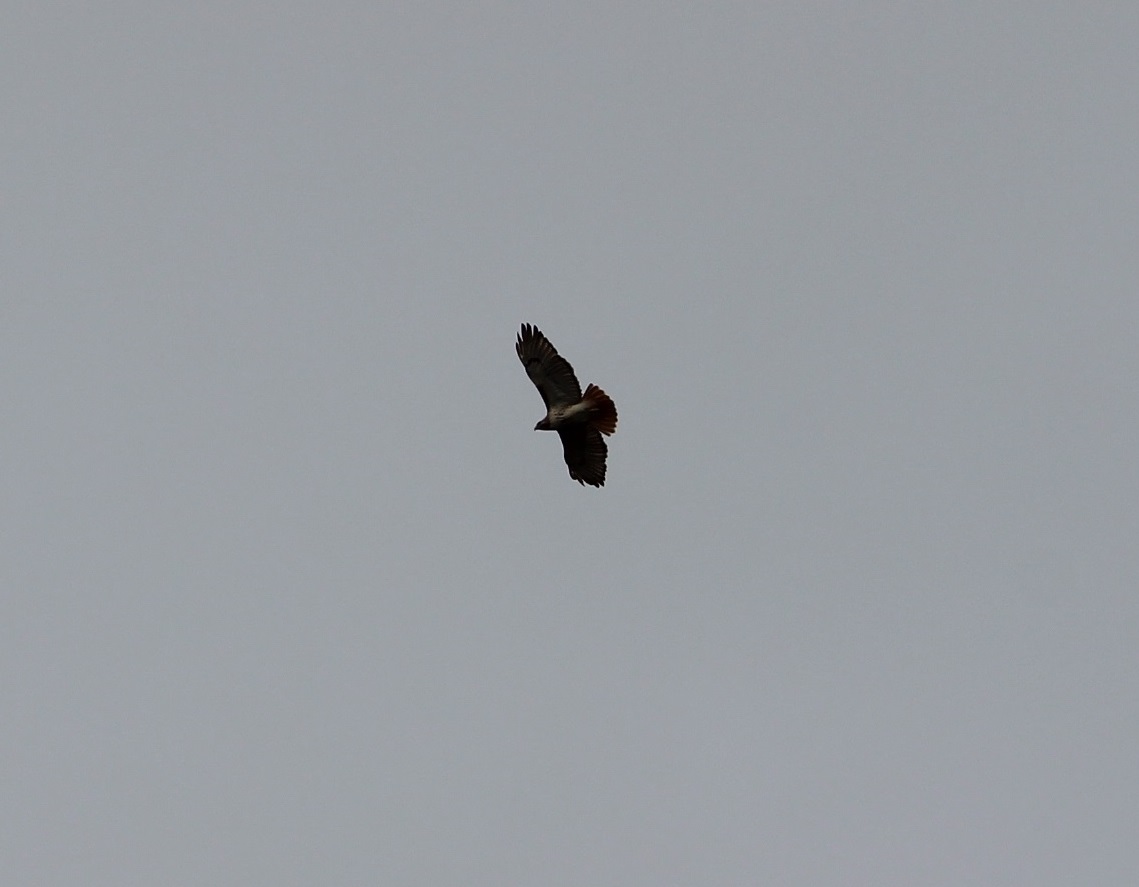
column 579, row 419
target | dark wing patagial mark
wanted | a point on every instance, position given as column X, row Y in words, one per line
column 549, row 371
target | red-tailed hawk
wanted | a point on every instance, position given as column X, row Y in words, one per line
column 579, row 420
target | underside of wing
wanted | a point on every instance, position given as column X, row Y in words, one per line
column 585, row 453
column 549, row 371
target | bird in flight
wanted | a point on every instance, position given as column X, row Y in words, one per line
column 579, row 419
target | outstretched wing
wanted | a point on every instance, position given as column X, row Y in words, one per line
column 585, row 452
column 549, row 371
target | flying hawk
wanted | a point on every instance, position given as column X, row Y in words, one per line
column 579, row 420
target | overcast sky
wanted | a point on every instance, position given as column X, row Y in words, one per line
column 292, row 593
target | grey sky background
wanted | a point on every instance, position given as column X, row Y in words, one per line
column 291, row 592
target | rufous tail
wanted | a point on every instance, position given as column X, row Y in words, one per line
column 602, row 411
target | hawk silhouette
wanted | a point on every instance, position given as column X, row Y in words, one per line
column 579, row 419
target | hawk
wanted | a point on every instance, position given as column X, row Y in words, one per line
column 579, row 419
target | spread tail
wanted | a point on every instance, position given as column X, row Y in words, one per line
column 602, row 411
